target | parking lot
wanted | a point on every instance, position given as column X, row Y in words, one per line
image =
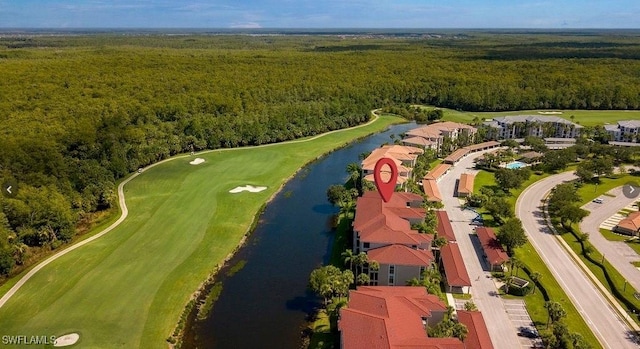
column 520, row 318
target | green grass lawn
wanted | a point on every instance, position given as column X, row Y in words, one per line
column 584, row 117
column 627, row 290
column 535, row 302
column 611, row 236
column 635, row 245
column 128, row 288
column 590, row 191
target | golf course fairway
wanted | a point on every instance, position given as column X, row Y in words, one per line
column 128, row 288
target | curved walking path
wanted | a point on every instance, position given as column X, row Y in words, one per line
column 589, row 299
column 125, row 211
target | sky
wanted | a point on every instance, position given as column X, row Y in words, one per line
column 320, row 14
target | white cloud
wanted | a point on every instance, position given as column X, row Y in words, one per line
column 246, row 25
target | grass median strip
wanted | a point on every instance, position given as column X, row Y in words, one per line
column 529, row 256
column 128, row 288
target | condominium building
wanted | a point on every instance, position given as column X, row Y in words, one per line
column 403, row 156
column 624, row 131
column 432, row 136
column 519, row 126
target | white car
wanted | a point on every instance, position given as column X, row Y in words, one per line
column 597, row 200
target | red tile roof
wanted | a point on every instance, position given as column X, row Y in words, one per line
column 456, row 155
column 397, row 153
column 387, row 223
column 391, row 317
column 465, row 185
column 454, row 269
column 400, row 255
column 632, row 222
column 418, row 141
column 481, row 146
column 430, row 187
column 478, row 336
column 444, row 227
column 492, row 248
column 437, row 171
column 438, row 129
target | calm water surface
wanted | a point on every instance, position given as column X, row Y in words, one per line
column 264, row 305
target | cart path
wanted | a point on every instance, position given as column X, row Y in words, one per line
column 125, row 211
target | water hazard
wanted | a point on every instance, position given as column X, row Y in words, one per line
column 264, row 304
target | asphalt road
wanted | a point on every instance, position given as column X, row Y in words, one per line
column 501, row 329
column 598, row 313
column 616, row 252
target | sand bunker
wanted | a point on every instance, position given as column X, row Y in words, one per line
column 249, row 188
column 66, row 340
column 550, row 112
column 197, row 161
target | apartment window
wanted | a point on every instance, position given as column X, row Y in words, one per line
column 422, row 270
column 366, row 245
column 392, row 274
column 373, row 278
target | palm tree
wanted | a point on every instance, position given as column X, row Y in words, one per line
column 470, row 306
column 460, row 331
column 363, row 279
column 347, row 208
column 507, row 283
column 348, row 257
column 515, row 265
column 535, row 276
column 360, row 260
column 555, row 310
column 439, row 242
column 353, row 169
column 374, row 265
column 431, row 274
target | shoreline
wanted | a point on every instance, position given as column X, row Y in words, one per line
column 21, row 280
column 198, row 295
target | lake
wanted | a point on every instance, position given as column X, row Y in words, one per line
column 265, row 304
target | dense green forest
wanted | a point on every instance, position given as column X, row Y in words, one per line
column 80, row 112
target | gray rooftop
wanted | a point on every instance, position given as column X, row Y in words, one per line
column 533, row 118
column 629, row 123
column 561, row 140
column 625, row 144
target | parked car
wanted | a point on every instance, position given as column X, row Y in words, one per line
column 528, row 332
column 597, row 200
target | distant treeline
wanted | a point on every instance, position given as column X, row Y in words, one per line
column 78, row 113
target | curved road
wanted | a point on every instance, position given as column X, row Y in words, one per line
column 604, row 321
column 616, row 252
column 125, row 210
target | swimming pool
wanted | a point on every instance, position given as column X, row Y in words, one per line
column 515, row 165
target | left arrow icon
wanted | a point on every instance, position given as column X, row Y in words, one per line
column 9, row 189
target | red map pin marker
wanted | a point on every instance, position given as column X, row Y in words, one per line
column 385, row 188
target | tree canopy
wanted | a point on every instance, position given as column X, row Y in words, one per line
column 78, row 113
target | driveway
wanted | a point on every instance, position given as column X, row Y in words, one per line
column 604, row 321
column 501, row 329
